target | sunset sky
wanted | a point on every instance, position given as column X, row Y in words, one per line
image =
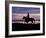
column 19, row 12
column 25, row 10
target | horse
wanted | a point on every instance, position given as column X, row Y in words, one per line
column 29, row 19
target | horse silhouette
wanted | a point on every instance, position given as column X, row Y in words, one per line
column 29, row 19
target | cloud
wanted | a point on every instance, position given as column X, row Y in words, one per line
column 25, row 10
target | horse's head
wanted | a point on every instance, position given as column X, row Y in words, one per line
column 23, row 17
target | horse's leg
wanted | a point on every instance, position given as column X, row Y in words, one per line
column 32, row 22
column 27, row 22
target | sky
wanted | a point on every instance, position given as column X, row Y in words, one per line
column 19, row 12
column 25, row 10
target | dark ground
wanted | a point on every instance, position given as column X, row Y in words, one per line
column 22, row 27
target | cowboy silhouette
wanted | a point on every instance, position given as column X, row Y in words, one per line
column 27, row 18
column 28, row 15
